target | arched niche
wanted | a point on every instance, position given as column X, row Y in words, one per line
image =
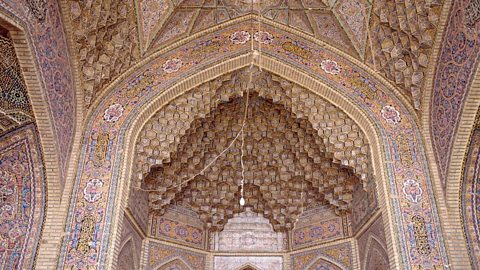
column 247, row 267
column 322, row 263
column 126, row 259
column 174, row 264
column 39, row 37
column 401, row 169
column 30, row 168
column 376, row 257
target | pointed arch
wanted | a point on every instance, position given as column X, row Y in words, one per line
column 51, row 87
column 126, row 256
column 176, row 261
column 248, row 266
column 374, row 243
column 322, row 260
column 41, row 151
column 367, row 99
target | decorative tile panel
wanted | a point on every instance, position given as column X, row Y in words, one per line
column 15, row 108
column 319, row 225
column 458, row 60
column 340, row 255
column 23, row 197
column 50, row 49
column 160, row 255
column 178, row 225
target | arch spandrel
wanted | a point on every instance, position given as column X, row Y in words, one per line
column 394, row 136
column 251, row 22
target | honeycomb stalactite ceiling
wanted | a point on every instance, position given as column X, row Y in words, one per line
column 292, row 157
column 282, row 155
column 341, row 136
column 402, row 35
column 106, row 38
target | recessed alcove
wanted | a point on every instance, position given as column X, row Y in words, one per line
column 300, row 164
column 133, row 134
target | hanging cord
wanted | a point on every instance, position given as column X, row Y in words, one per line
column 240, row 133
column 242, row 183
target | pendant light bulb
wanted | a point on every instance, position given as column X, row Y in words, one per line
column 242, row 201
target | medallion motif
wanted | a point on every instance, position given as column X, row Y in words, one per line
column 412, row 190
column 92, row 192
column 263, row 37
column 240, row 37
column 113, row 113
column 330, row 67
column 391, row 115
column 172, row 65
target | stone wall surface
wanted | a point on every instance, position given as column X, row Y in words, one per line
column 138, row 205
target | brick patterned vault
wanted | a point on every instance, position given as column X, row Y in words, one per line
column 298, row 150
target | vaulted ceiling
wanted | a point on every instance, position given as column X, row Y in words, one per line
column 343, row 24
column 393, row 37
column 285, row 165
column 297, row 149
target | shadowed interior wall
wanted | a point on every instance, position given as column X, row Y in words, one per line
column 130, row 253
column 372, row 247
